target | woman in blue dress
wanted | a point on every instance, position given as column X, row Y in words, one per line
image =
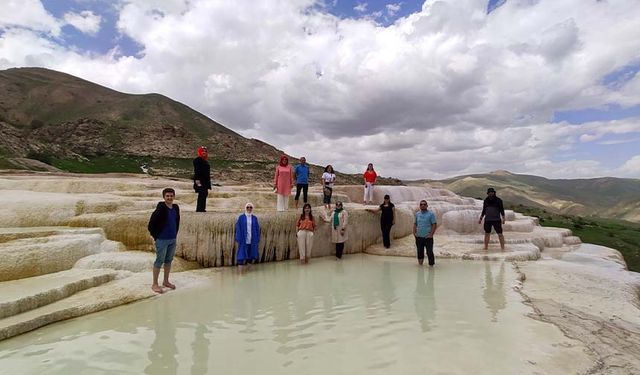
column 247, row 237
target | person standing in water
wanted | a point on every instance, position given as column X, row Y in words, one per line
column 493, row 213
column 339, row 219
column 387, row 219
column 305, row 226
column 370, row 176
column 282, row 183
column 163, row 226
column 247, row 237
column 202, row 178
column 424, row 227
column 302, row 180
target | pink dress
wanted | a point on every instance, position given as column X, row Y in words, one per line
column 283, row 180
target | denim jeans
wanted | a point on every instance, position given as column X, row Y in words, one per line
column 165, row 250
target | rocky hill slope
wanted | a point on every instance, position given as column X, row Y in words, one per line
column 51, row 120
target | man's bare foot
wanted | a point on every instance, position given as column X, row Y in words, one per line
column 168, row 285
column 156, row 288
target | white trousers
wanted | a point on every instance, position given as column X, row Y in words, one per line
column 305, row 243
column 282, row 202
column 368, row 192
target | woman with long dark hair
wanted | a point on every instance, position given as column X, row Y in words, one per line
column 305, row 226
column 387, row 219
column 370, row 176
column 328, row 178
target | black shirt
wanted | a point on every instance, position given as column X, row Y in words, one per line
column 387, row 213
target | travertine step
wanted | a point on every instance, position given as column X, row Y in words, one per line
column 451, row 247
column 22, row 295
column 134, row 261
column 29, row 257
column 106, row 296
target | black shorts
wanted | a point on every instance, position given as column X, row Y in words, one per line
column 496, row 224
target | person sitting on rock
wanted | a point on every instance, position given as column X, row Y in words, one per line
column 493, row 213
column 247, row 237
column 163, row 227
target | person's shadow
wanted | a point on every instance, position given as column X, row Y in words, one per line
column 494, row 294
column 425, row 298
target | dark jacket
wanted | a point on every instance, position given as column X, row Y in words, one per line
column 159, row 219
column 202, row 172
column 492, row 209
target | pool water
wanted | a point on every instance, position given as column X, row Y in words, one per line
column 364, row 314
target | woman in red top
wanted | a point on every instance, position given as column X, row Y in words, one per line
column 305, row 225
column 369, row 180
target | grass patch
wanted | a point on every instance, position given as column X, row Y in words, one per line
column 5, row 164
column 621, row 235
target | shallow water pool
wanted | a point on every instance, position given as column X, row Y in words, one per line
column 364, row 314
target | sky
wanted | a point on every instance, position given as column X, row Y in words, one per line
column 421, row 89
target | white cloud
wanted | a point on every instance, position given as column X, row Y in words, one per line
column 85, row 21
column 361, row 7
column 29, row 14
column 393, row 8
column 445, row 91
column 631, row 168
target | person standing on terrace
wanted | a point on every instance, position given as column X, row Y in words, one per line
column 202, row 178
column 302, row 180
column 282, row 183
column 370, row 176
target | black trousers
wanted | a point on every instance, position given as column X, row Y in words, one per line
column 203, row 193
column 421, row 243
column 305, row 189
column 386, row 234
column 339, row 249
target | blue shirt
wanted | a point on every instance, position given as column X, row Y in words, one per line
column 302, row 174
column 424, row 221
column 170, row 232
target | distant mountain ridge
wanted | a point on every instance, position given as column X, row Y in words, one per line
column 604, row 197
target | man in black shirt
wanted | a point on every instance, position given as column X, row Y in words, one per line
column 493, row 213
column 202, row 178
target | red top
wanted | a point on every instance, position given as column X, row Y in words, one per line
column 370, row 176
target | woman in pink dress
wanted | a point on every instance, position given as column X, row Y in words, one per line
column 282, row 183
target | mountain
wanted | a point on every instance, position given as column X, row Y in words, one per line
column 604, row 197
column 52, row 120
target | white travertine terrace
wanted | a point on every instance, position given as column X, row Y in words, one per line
column 71, row 245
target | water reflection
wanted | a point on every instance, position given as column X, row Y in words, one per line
column 425, row 298
column 364, row 314
column 494, row 294
column 163, row 351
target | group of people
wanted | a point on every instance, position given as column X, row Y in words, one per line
column 164, row 223
column 287, row 176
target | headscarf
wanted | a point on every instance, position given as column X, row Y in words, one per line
column 203, row 153
column 284, row 160
column 246, row 211
column 336, row 216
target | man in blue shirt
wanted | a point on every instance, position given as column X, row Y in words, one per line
column 302, row 179
column 163, row 227
column 424, row 226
